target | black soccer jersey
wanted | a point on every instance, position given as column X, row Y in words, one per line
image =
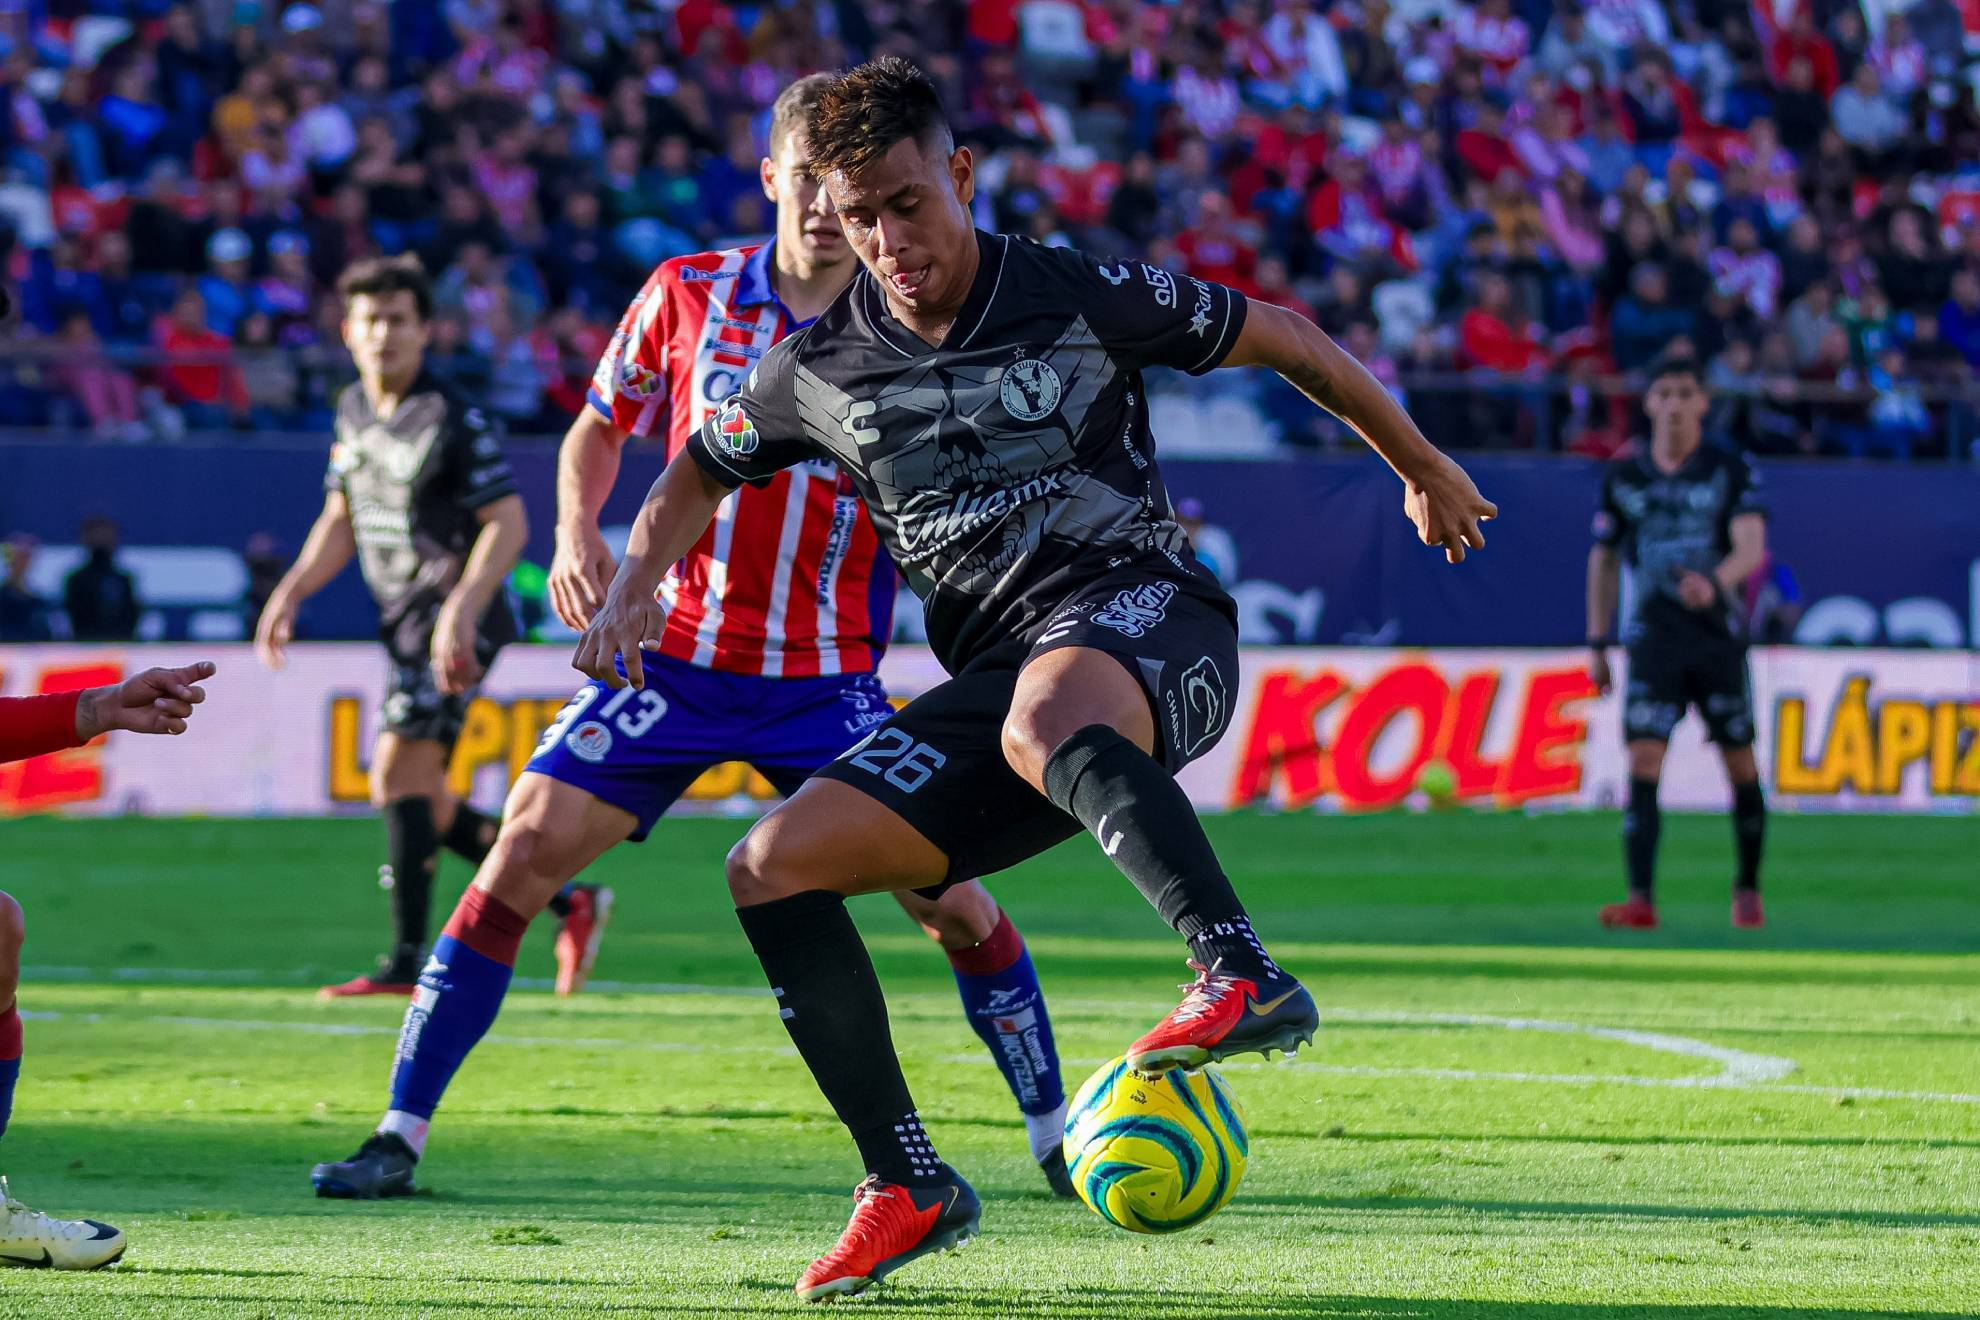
column 1009, row 466
column 1668, row 523
column 413, row 482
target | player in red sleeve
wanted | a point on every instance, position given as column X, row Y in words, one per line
column 776, row 620
column 155, row 701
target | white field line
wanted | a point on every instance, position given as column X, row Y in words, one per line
column 1738, row 1069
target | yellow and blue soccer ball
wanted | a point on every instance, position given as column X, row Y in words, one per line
column 1155, row 1152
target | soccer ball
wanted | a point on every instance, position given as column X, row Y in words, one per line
column 1155, row 1152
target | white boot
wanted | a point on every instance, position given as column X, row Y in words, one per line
column 32, row 1240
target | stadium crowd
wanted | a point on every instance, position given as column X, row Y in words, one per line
column 1498, row 206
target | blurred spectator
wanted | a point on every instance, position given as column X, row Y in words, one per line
column 200, row 377
column 23, row 615
column 1645, row 322
column 107, row 394
column 100, row 597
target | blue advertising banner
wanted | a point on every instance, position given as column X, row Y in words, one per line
column 1316, row 549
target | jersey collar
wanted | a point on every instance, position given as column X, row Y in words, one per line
column 753, row 287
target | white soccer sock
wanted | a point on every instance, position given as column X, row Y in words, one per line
column 1046, row 1132
column 409, row 1128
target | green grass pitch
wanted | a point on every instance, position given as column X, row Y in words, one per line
column 1508, row 1112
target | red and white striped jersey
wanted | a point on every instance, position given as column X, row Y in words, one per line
column 789, row 581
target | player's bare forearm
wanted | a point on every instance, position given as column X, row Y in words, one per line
column 504, row 533
column 326, row 550
column 1604, row 585
column 587, row 468
column 1749, row 551
column 678, row 509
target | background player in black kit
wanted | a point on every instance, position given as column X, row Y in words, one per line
column 984, row 396
column 1690, row 520
column 419, row 490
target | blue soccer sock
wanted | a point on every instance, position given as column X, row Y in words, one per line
column 1006, row 1009
column 459, row 994
column 10, row 1061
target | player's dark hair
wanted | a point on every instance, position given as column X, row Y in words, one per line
column 1673, row 363
column 381, row 277
column 794, row 107
column 862, row 114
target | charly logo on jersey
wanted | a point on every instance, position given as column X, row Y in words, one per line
column 589, row 741
column 735, row 434
column 1031, row 389
column 1134, row 611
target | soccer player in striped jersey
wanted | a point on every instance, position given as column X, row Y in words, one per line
column 777, row 618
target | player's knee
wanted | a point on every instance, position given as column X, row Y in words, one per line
column 762, row 868
column 1028, row 740
column 529, row 862
column 957, row 930
column 1646, row 760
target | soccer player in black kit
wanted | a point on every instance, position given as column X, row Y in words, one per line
column 1690, row 520
column 984, row 395
column 419, row 490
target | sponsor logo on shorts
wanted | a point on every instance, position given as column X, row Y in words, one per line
column 589, row 741
column 1137, row 610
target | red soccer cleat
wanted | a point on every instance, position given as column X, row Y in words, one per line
column 1635, row 914
column 891, row 1225
column 1746, row 910
column 578, row 936
column 365, row 985
column 397, row 973
column 1224, row 1015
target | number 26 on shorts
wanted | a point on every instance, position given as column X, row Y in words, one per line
column 896, row 757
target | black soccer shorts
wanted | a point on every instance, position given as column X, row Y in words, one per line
column 1668, row 674
column 939, row 762
column 415, row 708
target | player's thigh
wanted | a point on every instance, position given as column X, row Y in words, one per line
column 13, row 933
column 938, row 765
column 405, row 766
column 963, row 916
column 1065, row 690
column 551, row 831
column 833, row 837
column 1655, row 692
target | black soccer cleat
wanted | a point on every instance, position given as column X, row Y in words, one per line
column 383, row 1166
column 1057, row 1176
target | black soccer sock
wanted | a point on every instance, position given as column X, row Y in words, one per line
column 1749, row 831
column 832, row 1005
column 413, row 846
column 471, row 835
column 1642, row 823
column 1147, row 828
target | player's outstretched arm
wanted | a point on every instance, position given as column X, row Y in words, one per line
column 1749, row 550
column 504, row 533
column 677, row 511
column 587, row 468
column 329, row 547
column 155, row 701
column 1604, row 585
column 1438, row 497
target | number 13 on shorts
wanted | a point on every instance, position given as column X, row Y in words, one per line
column 896, row 757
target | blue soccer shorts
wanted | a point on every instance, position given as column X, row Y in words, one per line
column 640, row 749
